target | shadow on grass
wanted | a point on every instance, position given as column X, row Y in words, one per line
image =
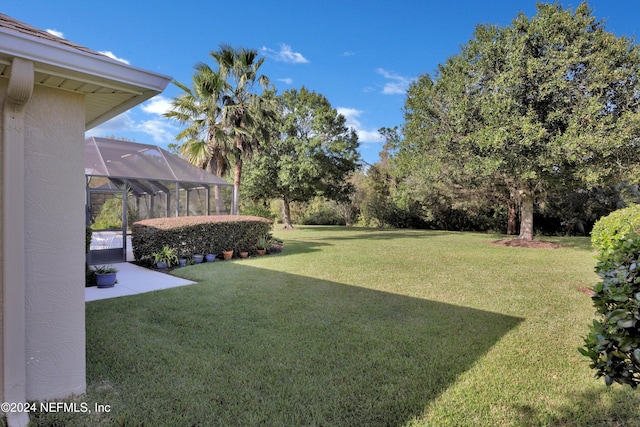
column 336, row 233
column 269, row 348
column 302, row 246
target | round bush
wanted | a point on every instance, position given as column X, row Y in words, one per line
column 608, row 230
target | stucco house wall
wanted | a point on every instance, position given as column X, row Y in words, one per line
column 54, row 243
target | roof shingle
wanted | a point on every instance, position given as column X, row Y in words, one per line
column 11, row 24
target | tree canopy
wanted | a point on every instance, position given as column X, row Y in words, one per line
column 313, row 153
column 548, row 102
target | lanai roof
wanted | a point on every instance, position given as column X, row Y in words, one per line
column 119, row 159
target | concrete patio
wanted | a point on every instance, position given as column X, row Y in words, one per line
column 133, row 279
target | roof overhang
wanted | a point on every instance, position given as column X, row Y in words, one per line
column 110, row 86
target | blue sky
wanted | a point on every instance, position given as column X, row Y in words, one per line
column 360, row 54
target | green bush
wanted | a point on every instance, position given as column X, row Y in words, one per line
column 110, row 213
column 88, row 238
column 257, row 209
column 321, row 211
column 324, row 217
column 613, row 342
column 197, row 235
column 608, row 230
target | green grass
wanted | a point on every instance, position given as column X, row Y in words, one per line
column 357, row 327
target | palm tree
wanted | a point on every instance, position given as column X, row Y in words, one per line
column 226, row 120
column 245, row 114
column 205, row 140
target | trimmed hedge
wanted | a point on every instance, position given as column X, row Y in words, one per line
column 198, row 235
column 608, row 230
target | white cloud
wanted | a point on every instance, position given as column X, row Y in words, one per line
column 112, row 56
column 397, row 84
column 161, row 130
column 285, row 54
column 117, row 125
column 56, row 33
column 348, row 53
column 368, row 135
column 154, row 125
column 157, row 105
column 286, row 80
column 349, row 113
column 364, row 135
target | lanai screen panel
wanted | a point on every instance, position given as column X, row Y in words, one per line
column 158, row 180
column 124, row 159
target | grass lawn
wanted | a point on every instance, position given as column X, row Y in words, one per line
column 357, row 327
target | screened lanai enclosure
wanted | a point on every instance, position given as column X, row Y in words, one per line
column 128, row 182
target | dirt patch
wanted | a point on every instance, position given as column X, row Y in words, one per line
column 522, row 243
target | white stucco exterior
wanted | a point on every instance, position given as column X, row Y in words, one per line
column 54, row 243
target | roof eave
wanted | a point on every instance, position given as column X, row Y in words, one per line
column 94, row 68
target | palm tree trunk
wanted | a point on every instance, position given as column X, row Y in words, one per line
column 215, row 167
column 237, row 176
column 216, row 195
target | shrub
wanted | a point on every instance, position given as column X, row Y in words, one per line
column 255, row 209
column 197, row 235
column 166, row 256
column 613, row 342
column 609, row 229
column 321, row 211
column 88, row 238
column 324, row 217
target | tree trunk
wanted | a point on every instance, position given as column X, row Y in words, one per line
column 237, row 176
column 216, row 196
column 526, row 215
column 347, row 210
column 215, row 167
column 512, row 217
column 286, row 214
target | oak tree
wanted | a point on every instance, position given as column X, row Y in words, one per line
column 548, row 102
column 312, row 154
